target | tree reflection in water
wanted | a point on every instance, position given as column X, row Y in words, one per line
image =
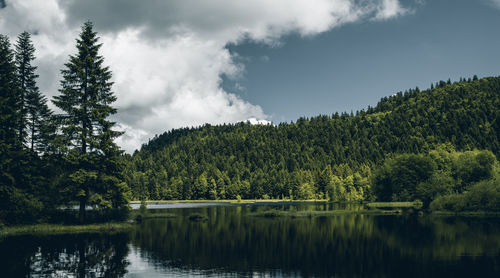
column 84, row 255
column 231, row 243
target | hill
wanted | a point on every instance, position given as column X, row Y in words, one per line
column 300, row 159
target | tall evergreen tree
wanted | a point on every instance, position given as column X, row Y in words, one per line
column 41, row 126
column 8, row 111
column 17, row 202
column 93, row 158
column 24, row 55
column 35, row 115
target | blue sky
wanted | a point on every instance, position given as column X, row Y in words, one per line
column 181, row 63
column 353, row 66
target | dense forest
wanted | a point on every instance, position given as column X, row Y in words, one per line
column 343, row 157
column 439, row 146
column 53, row 161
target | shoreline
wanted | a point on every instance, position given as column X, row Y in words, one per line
column 372, row 208
column 57, row 229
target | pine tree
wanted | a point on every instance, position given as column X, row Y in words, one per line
column 8, row 111
column 35, row 116
column 41, row 125
column 17, row 203
column 24, row 55
column 92, row 156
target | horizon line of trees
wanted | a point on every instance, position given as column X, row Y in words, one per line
column 50, row 161
column 293, row 160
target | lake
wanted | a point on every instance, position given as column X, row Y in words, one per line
column 230, row 243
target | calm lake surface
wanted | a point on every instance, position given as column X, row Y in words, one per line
column 230, row 243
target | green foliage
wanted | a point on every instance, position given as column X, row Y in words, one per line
column 18, row 201
column 93, row 159
column 9, row 113
column 481, row 196
column 440, row 183
column 47, row 161
column 471, row 167
column 398, row 178
column 442, row 180
column 316, row 156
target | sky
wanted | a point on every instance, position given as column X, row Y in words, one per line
column 185, row 63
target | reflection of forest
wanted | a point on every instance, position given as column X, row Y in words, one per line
column 231, row 242
column 351, row 245
column 64, row 256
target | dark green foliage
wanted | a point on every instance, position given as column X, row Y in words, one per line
column 17, row 194
column 46, row 160
column 92, row 158
column 482, row 196
column 471, row 167
column 333, row 154
column 36, row 123
column 398, row 178
column 26, row 80
column 444, row 178
column 8, row 112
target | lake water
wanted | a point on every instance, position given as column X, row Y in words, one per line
column 230, row 243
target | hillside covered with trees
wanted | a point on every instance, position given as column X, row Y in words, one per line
column 340, row 157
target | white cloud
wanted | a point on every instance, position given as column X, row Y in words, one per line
column 167, row 57
column 389, row 9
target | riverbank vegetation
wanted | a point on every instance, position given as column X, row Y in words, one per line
column 53, row 229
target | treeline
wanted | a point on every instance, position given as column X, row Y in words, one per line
column 321, row 157
column 442, row 179
column 51, row 161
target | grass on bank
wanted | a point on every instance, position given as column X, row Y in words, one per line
column 229, row 201
column 391, row 205
column 138, row 215
column 52, row 229
column 310, row 214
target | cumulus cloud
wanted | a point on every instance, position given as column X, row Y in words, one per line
column 168, row 57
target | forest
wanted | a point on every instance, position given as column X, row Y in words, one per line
column 419, row 144
column 439, row 146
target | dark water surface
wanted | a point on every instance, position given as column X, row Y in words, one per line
column 230, row 243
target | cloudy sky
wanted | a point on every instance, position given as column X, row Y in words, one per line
column 188, row 62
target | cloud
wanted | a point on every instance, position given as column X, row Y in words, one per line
column 390, row 9
column 167, row 57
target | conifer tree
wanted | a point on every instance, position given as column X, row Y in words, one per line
column 17, row 203
column 35, row 116
column 26, row 79
column 8, row 111
column 93, row 158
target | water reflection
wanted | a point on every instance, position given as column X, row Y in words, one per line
column 230, row 243
column 65, row 256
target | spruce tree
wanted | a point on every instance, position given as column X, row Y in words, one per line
column 93, row 158
column 8, row 111
column 26, row 79
column 17, row 203
column 35, row 116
